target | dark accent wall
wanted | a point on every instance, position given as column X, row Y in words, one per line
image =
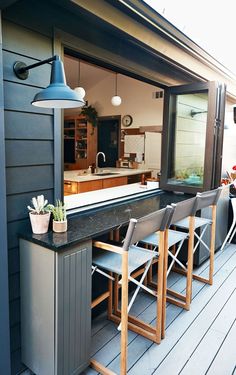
column 4, row 290
column 29, row 150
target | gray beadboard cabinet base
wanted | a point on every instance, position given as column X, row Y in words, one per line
column 55, row 308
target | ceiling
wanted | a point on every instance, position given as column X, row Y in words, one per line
column 90, row 74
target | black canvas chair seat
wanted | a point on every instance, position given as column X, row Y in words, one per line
column 112, row 262
column 198, row 222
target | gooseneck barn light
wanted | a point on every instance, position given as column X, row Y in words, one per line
column 57, row 94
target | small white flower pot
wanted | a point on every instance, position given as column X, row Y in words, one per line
column 59, row 226
column 39, row 223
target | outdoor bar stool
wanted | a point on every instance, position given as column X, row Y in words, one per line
column 232, row 230
column 124, row 261
column 204, row 200
column 184, row 209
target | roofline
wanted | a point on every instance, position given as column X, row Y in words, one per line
column 155, row 21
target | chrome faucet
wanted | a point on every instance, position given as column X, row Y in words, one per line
column 104, row 159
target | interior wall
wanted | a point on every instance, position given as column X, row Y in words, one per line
column 137, row 97
column 137, row 100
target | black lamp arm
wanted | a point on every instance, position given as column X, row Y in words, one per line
column 21, row 70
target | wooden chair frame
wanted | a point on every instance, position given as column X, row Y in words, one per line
column 136, row 230
column 211, row 248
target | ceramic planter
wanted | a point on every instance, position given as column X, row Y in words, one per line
column 39, row 223
column 59, row 226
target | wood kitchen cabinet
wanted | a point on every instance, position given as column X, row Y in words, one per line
column 134, row 178
column 114, row 181
column 72, row 187
column 80, row 143
column 83, row 187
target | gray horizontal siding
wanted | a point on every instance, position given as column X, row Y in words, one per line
column 13, row 260
column 21, row 201
column 29, row 140
column 23, row 41
column 14, row 229
column 15, row 311
column 15, row 337
column 18, row 151
column 14, row 286
column 18, row 97
column 26, row 179
column 39, row 76
column 23, row 125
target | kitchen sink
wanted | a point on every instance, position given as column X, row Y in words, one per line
column 105, row 173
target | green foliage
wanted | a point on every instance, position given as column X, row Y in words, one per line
column 91, row 114
column 40, row 205
column 58, row 211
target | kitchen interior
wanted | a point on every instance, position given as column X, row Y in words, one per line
column 123, row 145
column 114, row 141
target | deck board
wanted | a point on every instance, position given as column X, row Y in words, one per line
column 226, row 356
column 188, row 334
column 213, row 338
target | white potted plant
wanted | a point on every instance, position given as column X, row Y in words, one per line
column 59, row 223
column 39, row 215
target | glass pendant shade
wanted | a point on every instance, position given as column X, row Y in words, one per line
column 116, row 99
column 80, row 91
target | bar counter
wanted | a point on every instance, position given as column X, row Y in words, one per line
column 89, row 225
column 55, row 273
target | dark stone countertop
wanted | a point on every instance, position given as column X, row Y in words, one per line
column 87, row 225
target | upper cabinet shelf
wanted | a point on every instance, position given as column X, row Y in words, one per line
column 80, row 143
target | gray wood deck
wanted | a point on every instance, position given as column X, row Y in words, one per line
column 199, row 341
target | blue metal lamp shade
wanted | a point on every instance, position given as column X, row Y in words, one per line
column 57, row 94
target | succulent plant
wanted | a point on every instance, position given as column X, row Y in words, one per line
column 40, row 205
column 58, row 211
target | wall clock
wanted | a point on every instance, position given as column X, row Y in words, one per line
column 127, row 120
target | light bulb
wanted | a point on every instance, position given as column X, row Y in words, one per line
column 80, row 91
column 116, row 100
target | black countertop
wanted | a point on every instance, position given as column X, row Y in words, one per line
column 87, row 225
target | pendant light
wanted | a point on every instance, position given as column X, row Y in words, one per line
column 80, row 90
column 116, row 99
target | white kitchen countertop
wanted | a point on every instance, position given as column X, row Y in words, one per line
column 80, row 176
column 95, row 198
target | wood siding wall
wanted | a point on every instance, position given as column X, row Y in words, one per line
column 29, row 148
column 4, row 290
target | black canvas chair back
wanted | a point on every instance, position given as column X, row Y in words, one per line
column 140, row 228
column 184, row 209
column 201, row 223
column 208, row 198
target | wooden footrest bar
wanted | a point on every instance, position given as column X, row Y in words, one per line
column 99, row 299
column 176, row 294
column 100, row 368
column 139, row 327
column 202, row 279
column 177, row 303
